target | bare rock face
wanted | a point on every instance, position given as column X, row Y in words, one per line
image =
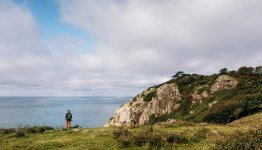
column 164, row 100
column 138, row 111
column 198, row 96
column 224, row 82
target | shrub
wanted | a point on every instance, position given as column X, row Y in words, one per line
column 154, row 119
column 147, row 136
column 38, row 129
column 50, row 128
column 242, row 140
column 155, row 140
column 140, row 139
column 148, row 97
column 7, row 131
column 42, row 129
column 133, row 126
column 120, row 132
column 178, row 138
column 20, row 134
column 149, row 129
column 124, row 141
column 123, row 137
column 143, row 137
column 77, row 126
column 200, row 134
column 202, row 89
column 32, row 130
column 21, row 131
column 170, row 139
column 223, row 71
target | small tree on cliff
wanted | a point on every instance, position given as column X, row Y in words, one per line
column 223, row 71
column 178, row 74
column 246, row 70
column 258, row 70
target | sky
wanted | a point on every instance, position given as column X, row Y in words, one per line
column 121, row 47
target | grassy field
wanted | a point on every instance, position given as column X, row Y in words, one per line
column 179, row 135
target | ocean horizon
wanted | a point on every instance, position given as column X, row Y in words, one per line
column 87, row 112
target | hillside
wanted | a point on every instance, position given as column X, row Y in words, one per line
column 218, row 98
column 220, row 111
column 176, row 135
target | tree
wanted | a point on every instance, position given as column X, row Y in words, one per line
column 246, row 70
column 251, row 71
column 178, row 74
column 258, row 70
column 223, row 71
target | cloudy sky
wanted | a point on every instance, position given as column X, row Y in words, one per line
column 120, row 47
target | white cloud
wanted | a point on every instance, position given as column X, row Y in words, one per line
column 138, row 44
column 162, row 36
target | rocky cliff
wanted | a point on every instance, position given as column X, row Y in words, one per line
column 168, row 100
column 138, row 110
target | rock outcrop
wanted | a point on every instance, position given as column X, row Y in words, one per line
column 224, row 82
column 163, row 100
column 138, row 111
column 198, row 95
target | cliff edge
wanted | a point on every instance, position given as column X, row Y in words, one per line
column 216, row 99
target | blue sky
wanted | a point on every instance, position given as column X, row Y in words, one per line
column 120, row 48
column 47, row 15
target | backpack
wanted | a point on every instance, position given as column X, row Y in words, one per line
column 69, row 116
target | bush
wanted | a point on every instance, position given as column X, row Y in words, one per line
column 200, row 134
column 120, row 132
column 148, row 97
column 180, row 138
column 155, row 140
column 177, row 138
column 42, row 129
column 7, row 131
column 236, row 107
column 170, row 139
column 77, row 126
column 154, row 119
column 140, row 139
column 38, row 129
column 242, row 140
column 20, row 134
column 23, row 130
column 32, row 130
column 147, row 137
column 143, row 137
column 124, row 141
column 123, row 137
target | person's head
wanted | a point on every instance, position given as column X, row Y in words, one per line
column 68, row 111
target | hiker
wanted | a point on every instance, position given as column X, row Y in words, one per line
column 68, row 119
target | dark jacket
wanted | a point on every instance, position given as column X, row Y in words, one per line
column 68, row 117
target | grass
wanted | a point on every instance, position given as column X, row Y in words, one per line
column 199, row 136
column 96, row 138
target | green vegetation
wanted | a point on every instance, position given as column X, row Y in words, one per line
column 242, row 140
column 148, row 97
column 227, row 105
column 178, row 135
column 22, row 131
column 236, row 113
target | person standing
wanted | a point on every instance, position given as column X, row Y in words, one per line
column 68, row 119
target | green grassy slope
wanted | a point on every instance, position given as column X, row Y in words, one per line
column 229, row 104
column 179, row 135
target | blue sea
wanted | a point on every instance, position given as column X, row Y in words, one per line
column 50, row 111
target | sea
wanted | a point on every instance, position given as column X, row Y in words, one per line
column 88, row 112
